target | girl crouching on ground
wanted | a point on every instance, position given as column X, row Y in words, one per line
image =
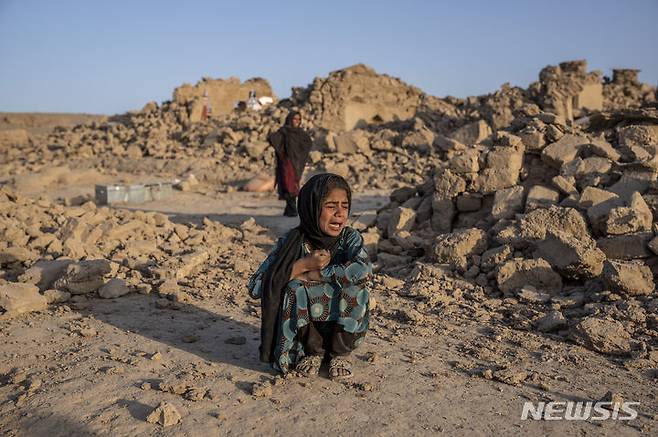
column 313, row 285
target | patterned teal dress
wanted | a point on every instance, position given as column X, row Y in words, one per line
column 342, row 296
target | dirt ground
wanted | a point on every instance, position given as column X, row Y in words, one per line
column 99, row 367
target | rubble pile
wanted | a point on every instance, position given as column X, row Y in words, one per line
column 50, row 253
column 356, row 97
column 555, row 222
column 373, row 128
column 625, row 90
column 568, row 90
column 217, row 97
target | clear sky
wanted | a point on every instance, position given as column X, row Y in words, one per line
column 112, row 56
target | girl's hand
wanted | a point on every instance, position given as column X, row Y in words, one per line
column 312, row 275
column 317, row 260
column 314, row 261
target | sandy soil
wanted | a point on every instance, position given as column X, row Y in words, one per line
column 97, row 367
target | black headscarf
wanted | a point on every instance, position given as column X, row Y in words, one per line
column 294, row 142
column 309, row 205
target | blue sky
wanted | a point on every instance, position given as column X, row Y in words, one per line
column 110, row 57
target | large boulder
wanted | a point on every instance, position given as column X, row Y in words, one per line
column 629, row 278
column 508, row 202
column 472, row 133
column 635, row 217
column 518, row 273
column 84, row 277
column 16, row 298
column 601, row 335
column 563, row 150
column 541, row 197
column 598, row 203
column 457, row 247
column 402, row 219
column 44, row 273
column 535, row 225
column 113, row 288
column 573, row 257
column 502, row 170
column 626, row 247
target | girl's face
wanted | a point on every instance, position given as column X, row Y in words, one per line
column 335, row 210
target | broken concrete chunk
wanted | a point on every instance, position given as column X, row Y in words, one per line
column 626, row 220
column 601, row 335
column 530, row 294
column 456, row 248
column 16, row 298
column 629, row 246
column 604, row 149
column 553, row 321
column 443, row 213
column 507, row 202
column 633, row 279
column 44, row 273
column 493, row 257
column 84, row 277
column 466, row 161
column 573, row 257
column 593, row 165
column 598, row 204
column 164, row 414
column 402, row 219
column 565, row 149
column 472, row 133
column 56, row 296
column 503, row 167
column 517, row 273
column 541, row 197
column 536, row 224
column 10, row 255
column 114, row 288
column 566, row 184
column 448, row 184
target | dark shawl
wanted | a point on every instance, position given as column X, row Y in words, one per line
column 278, row 275
column 293, row 143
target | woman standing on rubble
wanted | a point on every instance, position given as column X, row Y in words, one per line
column 292, row 145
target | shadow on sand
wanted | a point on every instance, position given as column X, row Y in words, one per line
column 213, row 337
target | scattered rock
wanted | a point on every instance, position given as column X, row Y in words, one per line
column 164, row 414
column 629, row 278
column 601, row 335
column 16, row 298
column 455, row 248
column 114, row 288
column 552, row 321
column 515, row 274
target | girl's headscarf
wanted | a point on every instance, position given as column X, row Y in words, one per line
column 309, row 205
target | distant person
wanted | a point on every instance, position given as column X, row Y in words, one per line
column 292, row 145
column 313, row 285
